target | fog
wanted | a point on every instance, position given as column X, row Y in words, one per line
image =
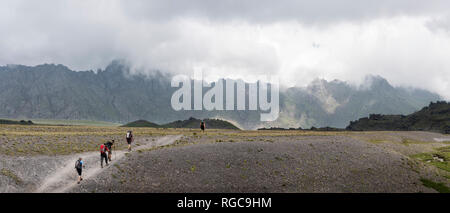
column 406, row 42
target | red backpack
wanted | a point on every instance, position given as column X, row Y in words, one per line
column 102, row 148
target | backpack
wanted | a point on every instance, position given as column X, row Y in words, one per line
column 78, row 164
column 128, row 135
column 102, row 148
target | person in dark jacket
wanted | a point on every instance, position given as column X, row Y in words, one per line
column 202, row 126
column 109, row 144
column 129, row 138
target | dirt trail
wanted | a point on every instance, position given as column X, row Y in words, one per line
column 442, row 139
column 65, row 178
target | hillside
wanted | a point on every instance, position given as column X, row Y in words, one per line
column 435, row 117
column 195, row 123
column 21, row 122
column 189, row 123
column 51, row 91
column 141, row 123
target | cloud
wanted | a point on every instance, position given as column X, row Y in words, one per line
column 439, row 24
column 402, row 40
column 263, row 11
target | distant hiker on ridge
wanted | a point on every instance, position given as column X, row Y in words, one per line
column 129, row 139
column 103, row 150
column 79, row 164
column 202, row 126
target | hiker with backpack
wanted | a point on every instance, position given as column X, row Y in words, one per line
column 202, row 126
column 103, row 150
column 79, row 165
column 109, row 144
column 129, row 138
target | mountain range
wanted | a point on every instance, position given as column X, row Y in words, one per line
column 50, row 91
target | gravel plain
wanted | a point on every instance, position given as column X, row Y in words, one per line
column 249, row 161
column 285, row 164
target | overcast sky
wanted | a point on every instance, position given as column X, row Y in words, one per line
column 405, row 41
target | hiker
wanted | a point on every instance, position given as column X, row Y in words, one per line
column 103, row 150
column 129, row 139
column 202, row 126
column 109, row 144
column 79, row 164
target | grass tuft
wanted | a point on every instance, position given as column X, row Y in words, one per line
column 431, row 158
column 12, row 175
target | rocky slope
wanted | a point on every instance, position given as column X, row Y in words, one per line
column 435, row 117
